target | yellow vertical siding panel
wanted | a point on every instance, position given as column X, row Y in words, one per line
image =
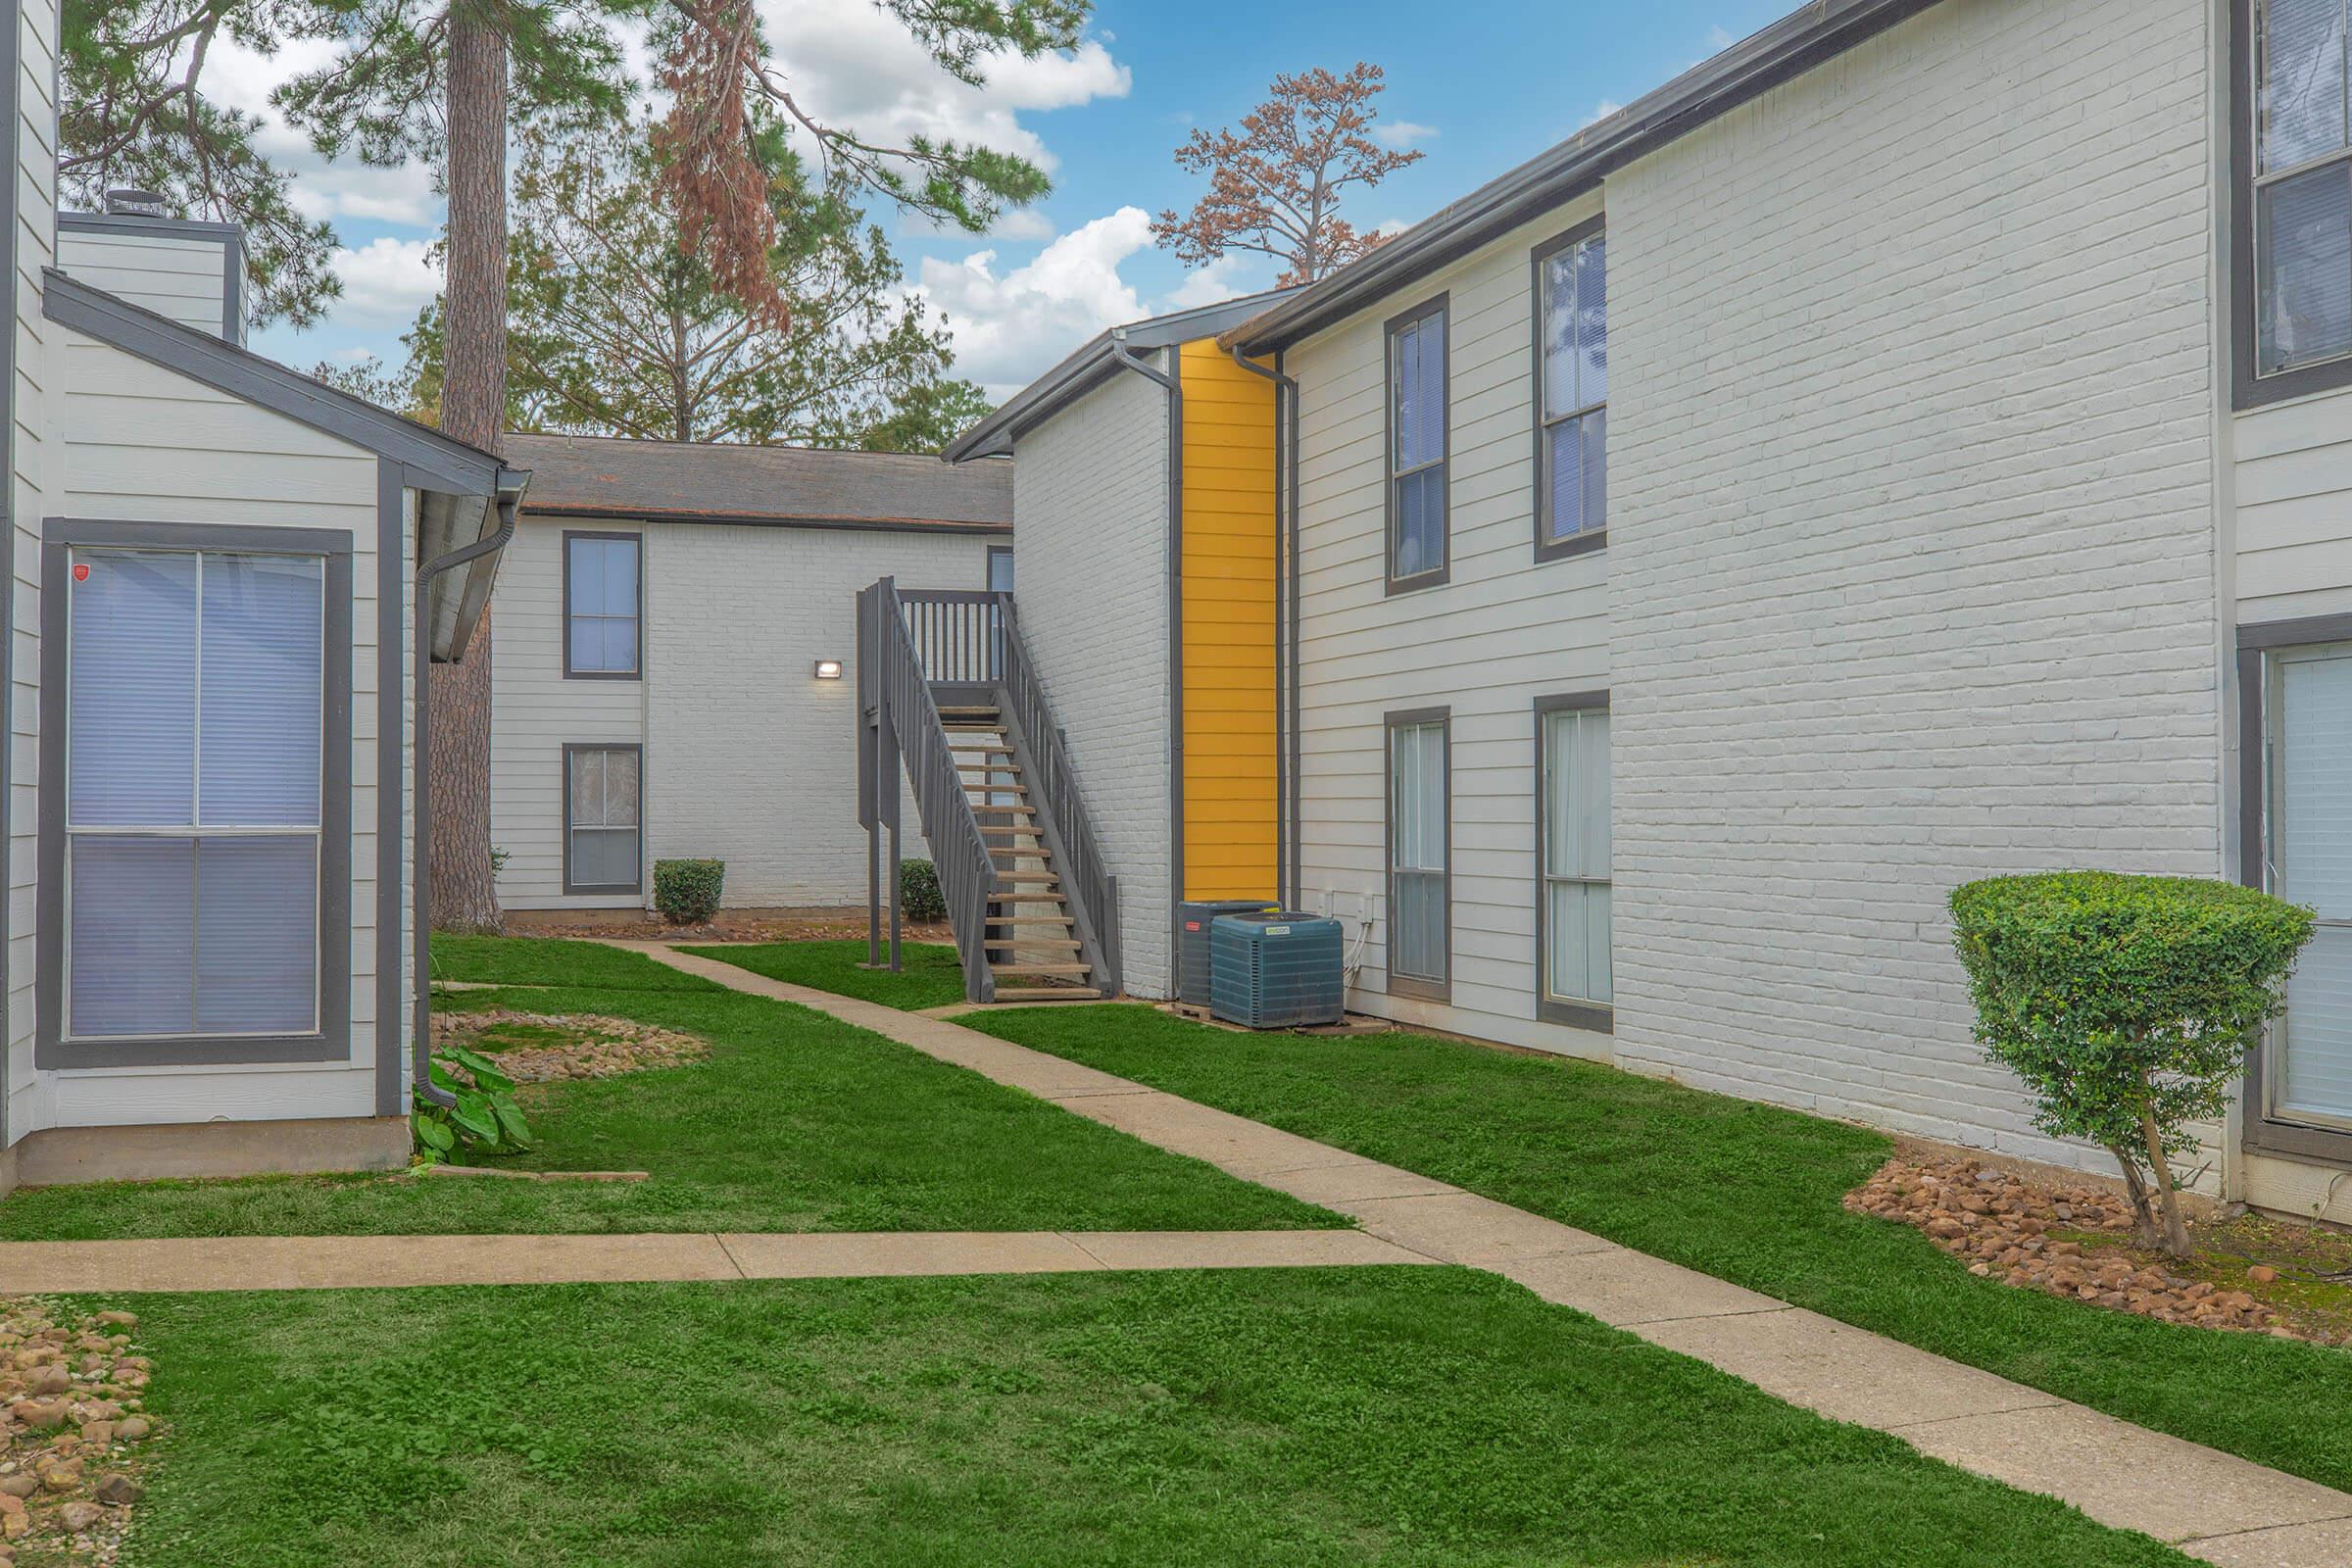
column 1229, row 674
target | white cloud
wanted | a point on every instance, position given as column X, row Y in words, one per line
column 849, row 61
column 1227, row 277
column 1719, row 38
column 1401, row 133
column 321, row 191
column 1600, row 112
column 386, row 282
column 1009, row 328
column 1024, row 224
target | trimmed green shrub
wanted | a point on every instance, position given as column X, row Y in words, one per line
column 919, row 897
column 2126, row 1003
column 686, row 892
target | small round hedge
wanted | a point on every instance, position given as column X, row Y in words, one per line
column 919, row 897
column 687, row 891
column 2124, row 1003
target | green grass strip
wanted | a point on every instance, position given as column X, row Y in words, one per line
column 1745, row 1192
column 929, row 975
column 1308, row 1418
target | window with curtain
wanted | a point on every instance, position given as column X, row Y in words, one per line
column 1417, row 853
column 2310, row 1071
column 195, row 727
column 1572, row 282
column 2302, row 184
column 602, row 841
column 1417, row 447
column 601, row 603
column 1573, row 761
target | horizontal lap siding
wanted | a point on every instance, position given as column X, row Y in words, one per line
column 1501, row 633
column 1912, row 560
column 1090, row 504
column 2292, row 481
column 138, row 443
column 1229, row 739
column 182, row 279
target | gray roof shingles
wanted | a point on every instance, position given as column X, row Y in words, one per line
column 598, row 476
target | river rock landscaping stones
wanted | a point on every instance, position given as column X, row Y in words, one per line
column 71, row 1445
column 536, row 1047
column 2065, row 1239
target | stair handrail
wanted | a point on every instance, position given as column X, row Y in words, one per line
column 1047, row 769
column 967, row 871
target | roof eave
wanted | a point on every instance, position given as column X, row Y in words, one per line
column 1794, row 44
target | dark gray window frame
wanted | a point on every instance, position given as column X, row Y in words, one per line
column 2251, row 389
column 989, row 580
column 634, row 888
column 1414, row 986
column 1443, row 573
column 1599, row 1017
column 564, row 621
column 331, row 1041
column 2258, row 1131
column 1581, row 544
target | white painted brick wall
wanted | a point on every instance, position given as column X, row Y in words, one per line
column 1090, row 564
column 1912, row 572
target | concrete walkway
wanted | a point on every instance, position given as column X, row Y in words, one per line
column 351, row 1262
column 2213, row 1505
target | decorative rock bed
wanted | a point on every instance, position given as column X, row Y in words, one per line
column 70, row 1431
column 2064, row 1240
column 592, row 1047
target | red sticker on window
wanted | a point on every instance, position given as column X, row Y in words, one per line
column 81, row 571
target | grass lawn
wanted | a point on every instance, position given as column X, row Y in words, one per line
column 930, row 976
column 1745, row 1192
column 1406, row 1416
column 796, row 1122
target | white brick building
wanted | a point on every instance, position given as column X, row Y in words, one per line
column 1911, row 446
column 691, row 694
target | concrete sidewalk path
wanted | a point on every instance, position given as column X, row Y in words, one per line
column 352, row 1262
column 2213, row 1505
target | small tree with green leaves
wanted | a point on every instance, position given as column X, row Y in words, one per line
column 2126, row 1003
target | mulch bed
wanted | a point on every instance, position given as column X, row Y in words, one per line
column 2075, row 1239
column 537, row 1048
column 72, row 1432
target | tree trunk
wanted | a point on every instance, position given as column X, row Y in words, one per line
column 474, row 399
column 2176, row 1229
column 2143, row 1207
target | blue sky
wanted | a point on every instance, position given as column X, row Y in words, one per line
column 1504, row 79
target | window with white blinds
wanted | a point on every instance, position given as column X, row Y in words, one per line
column 1418, row 850
column 2310, row 1071
column 195, row 724
column 2302, row 183
column 1573, row 759
column 603, row 819
column 601, row 603
column 1572, row 280
column 1417, row 467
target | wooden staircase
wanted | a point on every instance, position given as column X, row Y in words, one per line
column 1034, row 953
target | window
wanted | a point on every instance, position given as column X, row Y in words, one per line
column 602, row 606
column 1420, row 938
column 2307, row 1079
column 1572, row 392
column 195, row 776
column 603, row 818
column 2297, row 140
column 1417, row 432
column 1000, row 569
column 1572, row 846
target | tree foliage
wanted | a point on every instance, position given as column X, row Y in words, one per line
column 2126, row 1003
column 1276, row 188
column 614, row 329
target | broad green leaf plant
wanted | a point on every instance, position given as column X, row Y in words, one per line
column 485, row 1120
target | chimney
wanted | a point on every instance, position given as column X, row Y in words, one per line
column 183, row 268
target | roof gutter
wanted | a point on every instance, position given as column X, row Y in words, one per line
column 1814, row 32
column 509, row 501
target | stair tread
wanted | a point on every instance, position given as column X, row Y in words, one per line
column 1039, row 968
column 1048, row 994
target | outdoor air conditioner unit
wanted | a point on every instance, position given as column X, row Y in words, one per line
column 1193, row 922
column 1276, row 970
